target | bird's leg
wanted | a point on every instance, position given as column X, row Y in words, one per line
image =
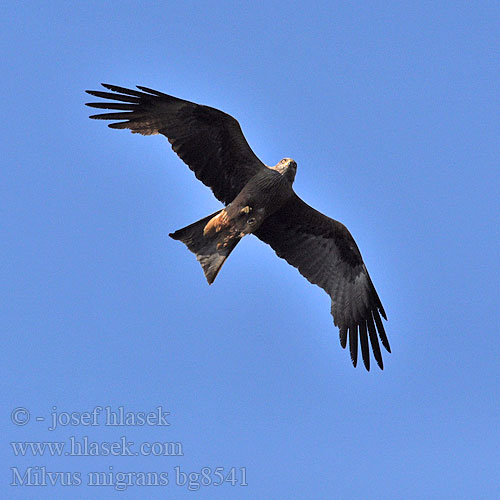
column 231, row 223
column 215, row 225
column 250, row 221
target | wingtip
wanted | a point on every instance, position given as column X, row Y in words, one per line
column 353, row 344
column 343, row 337
column 116, row 88
column 146, row 89
column 152, row 92
column 382, row 312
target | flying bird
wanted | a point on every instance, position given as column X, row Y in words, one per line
column 258, row 200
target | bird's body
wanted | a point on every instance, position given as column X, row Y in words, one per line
column 258, row 200
column 261, row 196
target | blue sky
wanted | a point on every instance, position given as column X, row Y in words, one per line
column 391, row 110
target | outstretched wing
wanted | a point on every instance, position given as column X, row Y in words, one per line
column 209, row 141
column 325, row 253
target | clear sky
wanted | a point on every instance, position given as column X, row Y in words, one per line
column 391, row 110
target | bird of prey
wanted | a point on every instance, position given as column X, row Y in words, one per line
column 258, row 200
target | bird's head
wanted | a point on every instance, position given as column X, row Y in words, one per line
column 288, row 168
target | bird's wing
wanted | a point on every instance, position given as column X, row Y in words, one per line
column 209, row 141
column 325, row 253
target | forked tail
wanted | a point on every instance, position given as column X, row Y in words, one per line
column 211, row 249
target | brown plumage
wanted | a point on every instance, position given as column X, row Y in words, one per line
column 258, row 200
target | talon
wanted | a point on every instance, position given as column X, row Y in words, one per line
column 246, row 210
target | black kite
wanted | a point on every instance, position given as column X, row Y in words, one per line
column 260, row 200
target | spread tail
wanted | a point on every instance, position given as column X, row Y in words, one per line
column 211, row 247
